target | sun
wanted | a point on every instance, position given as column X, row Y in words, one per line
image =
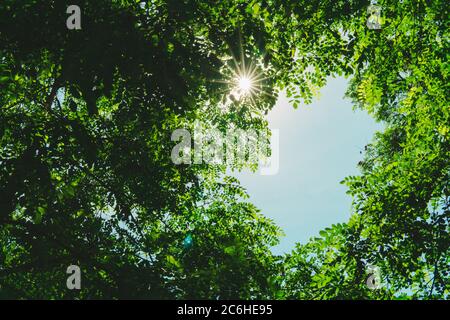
column 245, row 85
column 245, row 81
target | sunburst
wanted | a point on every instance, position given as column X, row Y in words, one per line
column 245, row 85
column 244, row 81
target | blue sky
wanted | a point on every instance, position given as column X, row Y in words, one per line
column 320, row 144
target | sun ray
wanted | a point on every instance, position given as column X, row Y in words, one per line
column 243, row 78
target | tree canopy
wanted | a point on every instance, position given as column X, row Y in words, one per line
column 86, row 177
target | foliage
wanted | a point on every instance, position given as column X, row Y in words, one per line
column 86, row 176
column 401, row 199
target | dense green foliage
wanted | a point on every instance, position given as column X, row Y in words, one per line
column 86, row 176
